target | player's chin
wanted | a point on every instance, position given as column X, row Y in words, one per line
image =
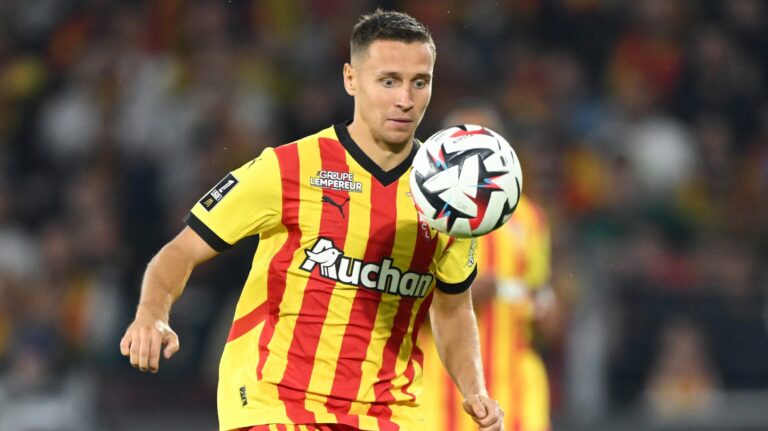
column 400, row 135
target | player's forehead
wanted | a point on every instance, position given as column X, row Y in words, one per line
column 394, row 56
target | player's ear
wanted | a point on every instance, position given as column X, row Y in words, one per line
column 350, row 83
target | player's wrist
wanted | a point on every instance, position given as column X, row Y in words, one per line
column 480, row 394
column 147, row 311
column 477, row 391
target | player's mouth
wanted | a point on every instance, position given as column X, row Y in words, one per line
column 401, row 122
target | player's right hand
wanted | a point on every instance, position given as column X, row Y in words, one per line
column 144, row 339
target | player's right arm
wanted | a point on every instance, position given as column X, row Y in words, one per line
column 164, row 280
column 246, row 202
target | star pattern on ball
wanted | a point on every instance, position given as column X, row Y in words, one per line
column 457, row 191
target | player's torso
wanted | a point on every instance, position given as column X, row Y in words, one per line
column 355, row 230
column 341, row 283
column 358, row 272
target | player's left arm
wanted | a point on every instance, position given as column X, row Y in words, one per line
column 455, row 331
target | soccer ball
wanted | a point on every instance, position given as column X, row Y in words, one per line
column 466, row 181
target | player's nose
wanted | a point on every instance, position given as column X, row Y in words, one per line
column 404, row 99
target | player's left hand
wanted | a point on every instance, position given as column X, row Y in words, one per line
column 485, row 412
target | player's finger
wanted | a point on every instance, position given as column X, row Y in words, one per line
column 146, row 340
column 495, row 418
column 495, row 426
column 172, row 344
column 475, row 407
column 488, row 421
column 125, row 345
column 156, row 343
column 134, row 348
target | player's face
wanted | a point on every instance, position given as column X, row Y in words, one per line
column 392, row 85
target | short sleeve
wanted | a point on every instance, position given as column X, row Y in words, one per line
column 457, row 266
column 246, row 202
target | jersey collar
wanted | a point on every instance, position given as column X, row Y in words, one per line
column 384, row 177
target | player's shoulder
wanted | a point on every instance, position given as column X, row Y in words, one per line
column 308, row 141
column 266, row 157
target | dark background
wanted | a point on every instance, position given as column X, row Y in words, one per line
column 642, row 127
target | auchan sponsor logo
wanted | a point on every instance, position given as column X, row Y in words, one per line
column 381, row 276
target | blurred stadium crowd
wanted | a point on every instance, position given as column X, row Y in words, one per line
column 642, row 126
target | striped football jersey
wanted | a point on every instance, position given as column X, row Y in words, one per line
column 326, row 325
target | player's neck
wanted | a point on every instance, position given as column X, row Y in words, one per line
column 386, row 155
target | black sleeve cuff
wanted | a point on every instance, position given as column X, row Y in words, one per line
column 454, row 288
column 206, row 233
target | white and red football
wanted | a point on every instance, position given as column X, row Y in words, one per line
column 466, row 181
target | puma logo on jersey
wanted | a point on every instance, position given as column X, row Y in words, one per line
column 381, row 276
column 328, row 200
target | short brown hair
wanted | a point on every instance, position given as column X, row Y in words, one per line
column 389, row 25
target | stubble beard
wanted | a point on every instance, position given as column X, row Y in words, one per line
column 393, row 144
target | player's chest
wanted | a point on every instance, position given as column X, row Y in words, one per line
column 362, row 216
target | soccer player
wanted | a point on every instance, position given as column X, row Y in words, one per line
column 324, row 334
column 512, row 285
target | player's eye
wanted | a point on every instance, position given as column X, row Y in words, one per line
column 388, row 82
column 420, row 83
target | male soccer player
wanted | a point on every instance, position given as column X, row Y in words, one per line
column 515, row 271
column 324, row 334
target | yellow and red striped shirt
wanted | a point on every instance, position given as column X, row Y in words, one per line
column 325, row 328
column 518, row 255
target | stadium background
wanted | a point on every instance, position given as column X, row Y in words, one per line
column 642, row 126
